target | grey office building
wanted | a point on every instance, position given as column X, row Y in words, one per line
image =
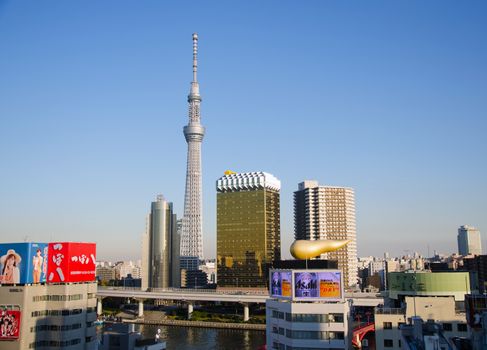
column 469, row 241
column 160, row 250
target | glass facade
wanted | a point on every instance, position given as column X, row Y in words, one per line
column 248, row 236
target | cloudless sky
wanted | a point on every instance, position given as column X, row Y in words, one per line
column 387, row 97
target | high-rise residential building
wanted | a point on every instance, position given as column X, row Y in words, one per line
column 469, row 241
column 191, row 239
column 248, row 228
column 328, row 212
column 159, row 250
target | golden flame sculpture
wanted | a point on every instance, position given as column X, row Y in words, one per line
column 304, row 249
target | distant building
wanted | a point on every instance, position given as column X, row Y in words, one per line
column 469, row 241
column 196, row 279
column 105, row 274
column 158, row 255
column 248, row 228
column 454, row 283
column 325, row 212
column 477, row 264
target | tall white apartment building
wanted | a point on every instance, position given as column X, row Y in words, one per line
column 326, row 212
column 469, row 241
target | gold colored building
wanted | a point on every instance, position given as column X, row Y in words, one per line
column 248, row 228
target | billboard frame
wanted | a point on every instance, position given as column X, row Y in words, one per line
column 294, row 272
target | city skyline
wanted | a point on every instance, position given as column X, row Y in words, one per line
column 389, row 100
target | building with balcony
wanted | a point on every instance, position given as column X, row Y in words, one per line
column 327, row 212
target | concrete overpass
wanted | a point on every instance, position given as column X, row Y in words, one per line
column 192, row 295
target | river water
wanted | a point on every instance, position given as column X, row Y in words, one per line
column 194, row 338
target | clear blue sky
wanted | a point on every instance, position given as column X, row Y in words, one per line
column 387, row 97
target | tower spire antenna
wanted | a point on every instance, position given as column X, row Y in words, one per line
column 195, row 57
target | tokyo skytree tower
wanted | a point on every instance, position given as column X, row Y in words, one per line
column 191, row 238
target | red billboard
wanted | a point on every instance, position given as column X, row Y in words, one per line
column 9, row 324
column 71, row 262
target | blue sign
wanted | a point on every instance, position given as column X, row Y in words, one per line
column 23, row 263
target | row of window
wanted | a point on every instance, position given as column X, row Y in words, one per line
column 312, row 318
column 56, row 312
column 447, row 327
column 51, row 327
column 54, row 343
column 57, row 297
column 279, row 346
column 321, row 335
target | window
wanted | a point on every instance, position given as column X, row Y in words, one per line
column 447, row 327
column 335, row 318
column 388, row 343
column 461, row 327
column 387, row 325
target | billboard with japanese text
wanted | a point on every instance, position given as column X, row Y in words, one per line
column 307, row 284
column 71, row 262
column 22, row 263
column 313, row 285
column 9, row 324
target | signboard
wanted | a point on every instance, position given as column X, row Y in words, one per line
column 22, row 263
column 310, row 285
column 9, row 324
column 71, row 262
column 281, row 284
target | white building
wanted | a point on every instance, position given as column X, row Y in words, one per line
column 436, row 308
column 307, row 325
column 469, row 241
column 52, row 315
column 326, row 212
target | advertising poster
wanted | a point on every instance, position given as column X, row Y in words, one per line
column 71, row 262
column 22, row 263
column 286, row 284
column 9, row 324
column 330, row 284
column 276, row 284
column 37, row 272
column 281, row 283
column 318, row 285
column 305, row 285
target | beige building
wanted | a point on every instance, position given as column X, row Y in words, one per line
column 439, row 309
column 326, row 212
column 105, row 273
column 52, row 316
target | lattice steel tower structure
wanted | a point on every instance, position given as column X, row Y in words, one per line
column 191, row 240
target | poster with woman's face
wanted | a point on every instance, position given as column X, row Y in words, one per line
column 22, row 263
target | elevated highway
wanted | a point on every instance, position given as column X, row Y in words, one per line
column 193, row 295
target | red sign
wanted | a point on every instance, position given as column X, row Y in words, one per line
column 71, row 262
column 9, row 324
